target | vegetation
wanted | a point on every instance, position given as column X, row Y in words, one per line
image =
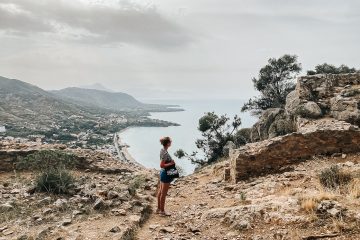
column 333, row 177
column 52, row 167
column 216, row 132
column 135, row 184
column 274, row 82
column 331, row 69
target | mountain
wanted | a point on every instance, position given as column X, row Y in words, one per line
column 116, row 101
column 96, row 86
column 99, row 98
column 26, row 109
column 23, row 102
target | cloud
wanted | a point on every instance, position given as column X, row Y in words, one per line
column 120, row 22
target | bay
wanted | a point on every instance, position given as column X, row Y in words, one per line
column 144, row 141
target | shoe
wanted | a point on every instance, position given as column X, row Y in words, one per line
column 157, row 211
column 164, row 214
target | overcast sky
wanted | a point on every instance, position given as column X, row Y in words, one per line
column 171, row 48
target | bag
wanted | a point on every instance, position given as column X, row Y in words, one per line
column 172, row 172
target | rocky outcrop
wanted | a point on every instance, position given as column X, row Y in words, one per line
column 332, row 95
column 273, row 122
column 323, row 136
column 329, row 95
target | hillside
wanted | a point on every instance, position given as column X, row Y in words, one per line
column 27, row 110
column 116, row 101
column 26, row 104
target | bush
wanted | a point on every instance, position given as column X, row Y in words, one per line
column 135, row 184
column 333, row 177
column 52, row 167
column 58, row 182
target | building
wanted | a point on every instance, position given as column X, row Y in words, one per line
column 2, row 129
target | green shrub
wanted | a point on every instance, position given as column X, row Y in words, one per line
column 58, row 182
column 52, row 167
column 135, row 184
column 333, row 177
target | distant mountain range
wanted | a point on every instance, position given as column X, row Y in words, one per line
column 96, row 86
column 23, row 104
column 116, row 101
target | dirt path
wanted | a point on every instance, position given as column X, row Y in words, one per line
column 187, row 200
column 205, row 207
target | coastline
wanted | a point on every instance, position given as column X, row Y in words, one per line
column 122, row 148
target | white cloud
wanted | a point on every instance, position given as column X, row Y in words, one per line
column 123, row 22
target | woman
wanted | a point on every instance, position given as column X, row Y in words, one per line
column 165, row 162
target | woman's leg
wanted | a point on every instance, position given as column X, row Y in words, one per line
column 164, row 190
column 159, row 196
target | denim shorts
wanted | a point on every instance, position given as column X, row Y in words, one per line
column 164, row 178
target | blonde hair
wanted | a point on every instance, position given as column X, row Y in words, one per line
column 165, row 141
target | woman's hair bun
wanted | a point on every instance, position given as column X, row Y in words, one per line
column 165, row 141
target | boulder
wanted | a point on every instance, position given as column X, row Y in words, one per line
column 273, row 122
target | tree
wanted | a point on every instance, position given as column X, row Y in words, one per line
column 274, row 82
column 331, row 69
column 216, row 131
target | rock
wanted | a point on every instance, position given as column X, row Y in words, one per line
column 6, row 207
column 15, row 191
column 330, row 208
column 60, row 203
column 47, row 211
column 242, row 225
column 135, row 219
column 3, row 228
column 31, row 190
column 115, row 229
column 153, row 226
column 7, row 232
column 112, row 194
column 311, row 110
column 99, row 204
column 23, row 237
column 118, row 212
column 316, row 137
column 167, row 229
column 76, row 213
column 66, row 222
column 193, row 229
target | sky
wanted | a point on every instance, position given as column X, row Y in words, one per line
column 171, row 49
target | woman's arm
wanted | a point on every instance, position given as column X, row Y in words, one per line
column 165, row 165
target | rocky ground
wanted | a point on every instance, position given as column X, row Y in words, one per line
column 288, row 205
column 110, row 200
column 115, row 200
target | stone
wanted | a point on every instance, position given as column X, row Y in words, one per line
column 117, row 212
column 135, row 219
column 115, row 229
column 66, row 222
column 153, row 226
column 112, row 195
column 60, row 203
column 167, row 229
column 47, row 211
column 99, row 204
column 3, row 228
column 6, row 207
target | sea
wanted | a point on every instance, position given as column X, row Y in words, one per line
column 144, row 141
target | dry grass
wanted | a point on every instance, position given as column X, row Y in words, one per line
column 354, row 188
column 309, row 204
column 324, row 195
column 338, row 225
